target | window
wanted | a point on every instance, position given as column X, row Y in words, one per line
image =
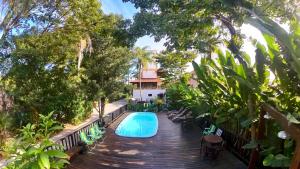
column 149, row 95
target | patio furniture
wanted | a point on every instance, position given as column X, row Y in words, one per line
column 172, row 115
column 95, row 135
column 174, row 111
column 209, row 131
column 212, row 145
column 219, row 132
column 84, row 138
column 186, row 115
column 99, row 130
column 181, row 114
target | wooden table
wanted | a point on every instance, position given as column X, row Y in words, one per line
column 212, row 145
column 213, row 139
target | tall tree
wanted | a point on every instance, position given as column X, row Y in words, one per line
column 173, row 64
column 42, row 75
column 105, row 68
column 143, row 57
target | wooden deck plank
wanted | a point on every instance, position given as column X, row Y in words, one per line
column 171, row 148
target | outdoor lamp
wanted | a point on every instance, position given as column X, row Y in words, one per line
column 283, row 135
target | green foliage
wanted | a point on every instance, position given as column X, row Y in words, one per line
column 48, row 126
column 36, row 156
column 41, row 69
column 6, row 123
column 31, row 149
column 232, row 92
column 104, row 70
column 231, row 89
column 181, row 95
column 278, row 160
column 44, row 128
column 28, row 133
column 173, row 65
column 146, row 107
column 196, row 24
column 61, row 52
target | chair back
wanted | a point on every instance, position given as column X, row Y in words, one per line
column 212, row 128
column 180, row 109
column 97, row 128
column 93, row 131
column 83, row 137
column 219, row 132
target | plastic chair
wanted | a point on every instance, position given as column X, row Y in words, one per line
column 219, row 132
column 95, row 135
column 84, row 138
column 99, row 130
column 209, row 131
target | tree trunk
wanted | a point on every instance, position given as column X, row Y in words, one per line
column 99, row 107
column 102, row 107
column 140, row 80
column 233, row 47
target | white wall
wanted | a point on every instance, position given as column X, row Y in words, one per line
column 149, row 74
column 145, row 92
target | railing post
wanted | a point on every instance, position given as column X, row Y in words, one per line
column 296, row 159
column 261, row 130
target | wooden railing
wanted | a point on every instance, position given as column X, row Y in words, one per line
column 73, row 139
column 292, row 129
column 235, row 143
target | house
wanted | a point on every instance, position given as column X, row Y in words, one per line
column 150, row 84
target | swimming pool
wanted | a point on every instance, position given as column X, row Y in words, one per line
column 138, row 124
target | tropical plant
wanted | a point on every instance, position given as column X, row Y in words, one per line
column 37, row 156
column 234, row 92
column 32, row 149
column 173, row 65
column 143, row 57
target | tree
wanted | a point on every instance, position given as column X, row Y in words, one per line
column 143, row 57
column 105, row 68
column 42, row 17
column 42, row 75
column 199, row 25
column 173, row 64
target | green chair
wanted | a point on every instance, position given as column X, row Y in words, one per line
column 95, row 135
column 84, row 138
column 99, row 130
column 209, row 131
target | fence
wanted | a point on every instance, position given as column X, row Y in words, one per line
column 234, row 141
column 73, row 139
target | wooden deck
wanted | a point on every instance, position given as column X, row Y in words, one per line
column 171, row 148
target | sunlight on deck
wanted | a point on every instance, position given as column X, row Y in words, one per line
column 171, row 148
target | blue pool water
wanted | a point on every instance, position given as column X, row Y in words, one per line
column 138, row 124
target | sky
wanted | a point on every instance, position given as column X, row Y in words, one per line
column 127, row 10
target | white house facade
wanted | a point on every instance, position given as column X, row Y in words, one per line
column 150, row 84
